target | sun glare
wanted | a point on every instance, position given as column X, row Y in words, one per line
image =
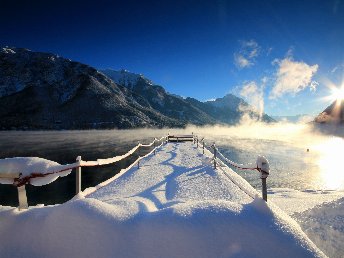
column 330, row 162
column 338, row 93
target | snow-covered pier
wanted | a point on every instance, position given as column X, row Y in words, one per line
column 173, row 203
column 179, row 173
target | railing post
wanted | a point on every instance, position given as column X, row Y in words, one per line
column 78, row 177
column 138, row 163
column 203, row 146
column 264, row 168
column 22, row 198
column 264, row 190
column 214, row 156
column 197, row 141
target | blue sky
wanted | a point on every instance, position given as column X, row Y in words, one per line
column 275, row 54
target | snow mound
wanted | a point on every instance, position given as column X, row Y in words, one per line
column 324, row 224
column 319, row 213
column 91, row 228
column 31, row 165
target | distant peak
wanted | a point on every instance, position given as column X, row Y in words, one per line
column 124, row 77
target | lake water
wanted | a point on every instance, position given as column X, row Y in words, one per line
column 285, row 146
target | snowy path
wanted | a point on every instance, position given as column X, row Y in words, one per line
column 178, row 173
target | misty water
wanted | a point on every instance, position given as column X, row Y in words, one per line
column 285, row 146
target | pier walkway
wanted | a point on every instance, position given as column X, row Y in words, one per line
column 178, row 173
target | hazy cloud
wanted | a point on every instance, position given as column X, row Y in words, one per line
column 241, row 62
column 254, row 94
column 313, row 86
column 293, row 77
column 245, row 57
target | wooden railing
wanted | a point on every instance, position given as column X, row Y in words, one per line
column 262, row 164
column 20, row 181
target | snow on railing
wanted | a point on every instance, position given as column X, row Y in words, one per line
column 47, row 168
column 52, row 170
column 262, row 164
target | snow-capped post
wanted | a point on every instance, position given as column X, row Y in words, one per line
column 22, row 198
column 264, row 169
column 78, row 177
column 214, row 146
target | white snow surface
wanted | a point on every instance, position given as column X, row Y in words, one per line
column 296, row 201
column 319, row 213
column 324, row 224
column 28, row 165
column 174, row 205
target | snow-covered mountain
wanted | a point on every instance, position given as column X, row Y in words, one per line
column 227, row 110
column 229, row 101
column 332, row 114
column 231, row 108
column 162, row 101
column 45, row 91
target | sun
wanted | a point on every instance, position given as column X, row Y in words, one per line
column 337, row 93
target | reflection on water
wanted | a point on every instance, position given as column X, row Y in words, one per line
column 330, row 162
column 285, row 146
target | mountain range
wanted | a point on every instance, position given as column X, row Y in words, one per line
column 46, row 91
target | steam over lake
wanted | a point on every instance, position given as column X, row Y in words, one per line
column 285, row 146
